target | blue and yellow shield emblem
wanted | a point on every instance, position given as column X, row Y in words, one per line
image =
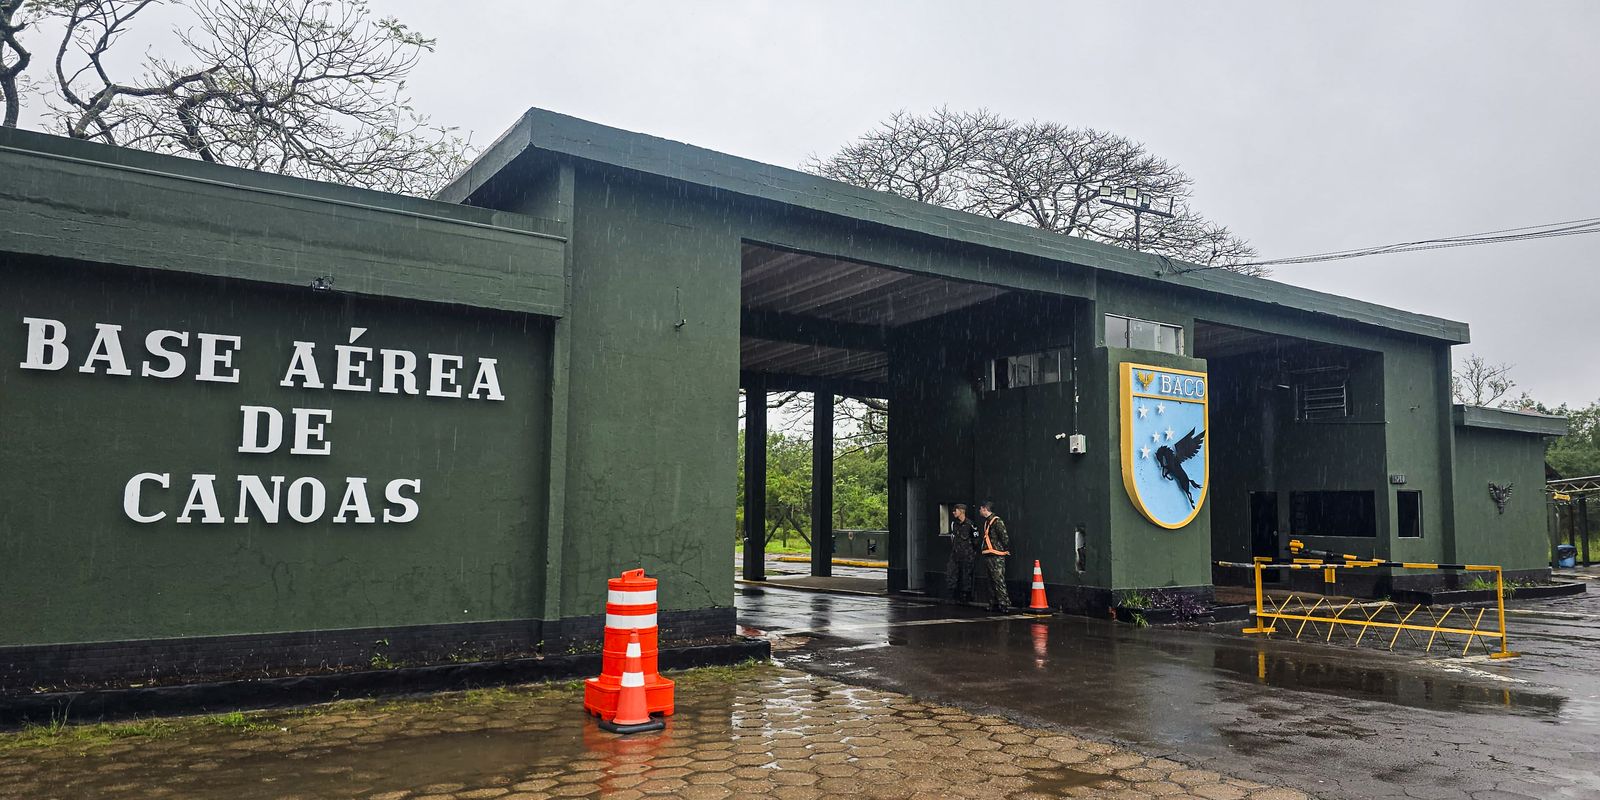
column 1165, row 463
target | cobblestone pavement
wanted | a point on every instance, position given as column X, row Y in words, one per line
column 754, row 732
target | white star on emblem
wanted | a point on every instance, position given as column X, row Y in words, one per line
column 1155, row 437
column 1169, row 434
column 1161, row 408
column 1143, row 411
column 1145, row 452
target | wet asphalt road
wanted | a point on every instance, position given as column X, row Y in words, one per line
column 1334, row 721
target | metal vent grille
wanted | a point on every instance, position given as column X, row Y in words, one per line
column 1322, row 401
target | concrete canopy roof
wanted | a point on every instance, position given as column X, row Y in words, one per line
column 1505, row 419
column 541, row 130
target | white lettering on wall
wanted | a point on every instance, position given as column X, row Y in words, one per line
column 216, row 358
column 308, row 498
column 302, row 365
column 47, row 344
column 488, row 381
column 257, row 438
column 442, row 373
column 202, row 498
column 310, row 426
column 355, row 502
column 107, row 348
column 351, row 365
column 130, row 496
column 408, row 507
column 252, row 490
column 175, row 362
column 357, row 366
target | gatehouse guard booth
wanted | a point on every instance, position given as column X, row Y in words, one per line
column 550, row 355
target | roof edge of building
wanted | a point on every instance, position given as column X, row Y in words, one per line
column 1503, row 419
column 539, row 129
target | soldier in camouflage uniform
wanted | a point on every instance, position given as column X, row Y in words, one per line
column 996, row 546
column 963, row 555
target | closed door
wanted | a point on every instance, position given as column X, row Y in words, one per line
column 1264, row 528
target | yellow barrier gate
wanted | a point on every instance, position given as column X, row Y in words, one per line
column 1324, row 616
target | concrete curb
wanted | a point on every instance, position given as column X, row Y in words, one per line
column 838, row 562
column 1463, row 596
column 779, row 585
column 210, row 698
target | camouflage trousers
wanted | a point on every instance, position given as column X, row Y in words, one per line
column 996, row 566
column 959, row 577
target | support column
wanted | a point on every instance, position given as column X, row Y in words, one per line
column 822, row 484
column 755, row 483
column 1583, row 518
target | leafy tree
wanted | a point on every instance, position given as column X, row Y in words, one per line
column 1042, row 174
column 860, row 492
column 1576, row 455
column 310, row 88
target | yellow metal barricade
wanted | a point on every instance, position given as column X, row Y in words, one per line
column 1324, row 617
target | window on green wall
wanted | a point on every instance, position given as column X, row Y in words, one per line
column 1142, row 334
column 1334, row 513
column 1033, row 369
column 1409, row 505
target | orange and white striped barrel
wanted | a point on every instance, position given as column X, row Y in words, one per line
column 630, row 606
column 631, row 610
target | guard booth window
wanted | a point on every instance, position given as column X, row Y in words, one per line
column 1334, row 513
column 1142, row 334
column 1033, row 369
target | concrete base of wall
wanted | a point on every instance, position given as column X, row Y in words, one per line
column 26, row 668
column 92, row 706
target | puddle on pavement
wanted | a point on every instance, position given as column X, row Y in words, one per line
column 1061, row 778
column 1389, row 685
column 408, row 763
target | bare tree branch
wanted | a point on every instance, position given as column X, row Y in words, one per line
column 14, row 58
column 310, row 88
column 1041, row 174
column 1476, row 382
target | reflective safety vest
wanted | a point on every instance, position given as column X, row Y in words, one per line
column 988, row 546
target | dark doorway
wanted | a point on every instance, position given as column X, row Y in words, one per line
column 1410, row 511
column 1264, row 529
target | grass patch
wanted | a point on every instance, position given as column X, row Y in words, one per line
column 62, row 733
column 701, row 676
column 780, row 547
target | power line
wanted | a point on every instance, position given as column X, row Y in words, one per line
column 1549, row 230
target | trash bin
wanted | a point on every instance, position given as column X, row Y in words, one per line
column 1566, row 555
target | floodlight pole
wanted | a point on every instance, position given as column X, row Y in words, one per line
column 1139, row 209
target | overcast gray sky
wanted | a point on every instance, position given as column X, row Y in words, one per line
column 1307, row 127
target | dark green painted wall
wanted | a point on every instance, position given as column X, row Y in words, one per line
column 1517, row 539
column 652, row 442
column 1144, row 554
column 74, row 568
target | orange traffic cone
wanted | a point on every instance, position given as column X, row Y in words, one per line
column 633, row 711
column 1039, row 604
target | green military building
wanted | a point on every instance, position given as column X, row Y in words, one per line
column 248, row 420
